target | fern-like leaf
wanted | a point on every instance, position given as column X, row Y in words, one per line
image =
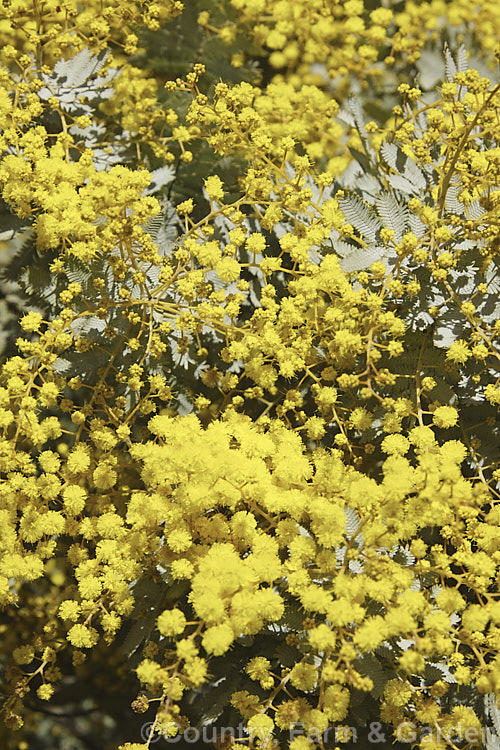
column 76, row 71
column 394, row 216
column 360, row 216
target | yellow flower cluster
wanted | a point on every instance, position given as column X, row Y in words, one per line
column 311, row 495
column 341, row 36
column 347, row 38
column 315, row 49
column 264, row 124
column 53, row 29
column 221, row 509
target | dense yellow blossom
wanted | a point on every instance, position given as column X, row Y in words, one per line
column 315, row 497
